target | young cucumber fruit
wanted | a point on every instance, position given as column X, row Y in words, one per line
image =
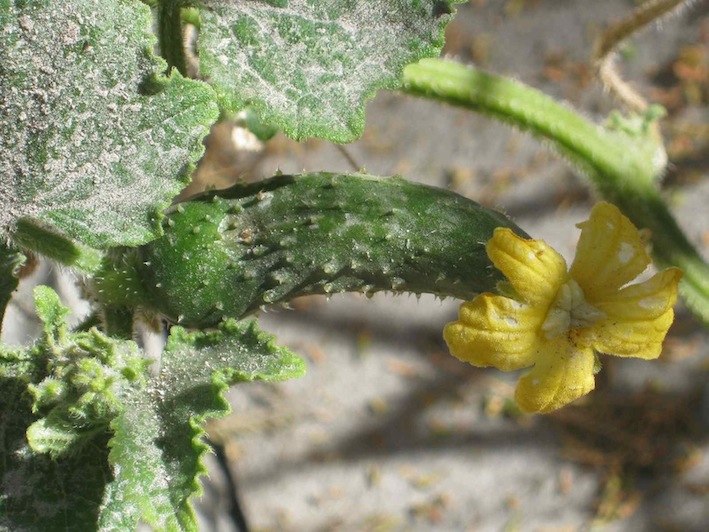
column 229, row 252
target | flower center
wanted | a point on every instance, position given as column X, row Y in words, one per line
column 569, row 311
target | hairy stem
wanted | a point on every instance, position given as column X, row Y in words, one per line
column 9, row 261
column 33, row 237
column 118, row 321
column 612, row 158
column 623, row 166
column 170, row 35
column 608, row 42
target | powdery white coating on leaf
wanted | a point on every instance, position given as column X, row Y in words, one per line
column 308, row 67
column 83, row 150
column 140, row 489
column 156, row 449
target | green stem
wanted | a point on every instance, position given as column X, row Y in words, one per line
column 9, row 261
column 170, row 35
column 622, row 165
column 610, row 157
column 33, row 237
column 118, row 321
column 118, row 288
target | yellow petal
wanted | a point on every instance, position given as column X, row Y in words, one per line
column 609, row 253
column 495, row 331
column 563, row 373
column 534, row 269
column 638, row 317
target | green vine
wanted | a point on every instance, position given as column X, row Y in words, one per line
column 623, row 159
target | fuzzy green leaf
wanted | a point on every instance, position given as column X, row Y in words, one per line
column 51, row 313
column 47, row 435
column 38, row 492
column 79, row 381
column 95, row 144
column 156, row 449
column 71, row 398
column 308, row 66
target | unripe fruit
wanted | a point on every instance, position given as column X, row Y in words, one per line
column 230, row 252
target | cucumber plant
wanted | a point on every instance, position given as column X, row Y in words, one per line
column 102, row 128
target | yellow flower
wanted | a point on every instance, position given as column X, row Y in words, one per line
column 557, row 319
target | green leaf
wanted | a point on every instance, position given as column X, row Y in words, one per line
column 140, row 441
column 157, row 448
column 51, row 313
column 87, row 377
column 82, row 379
column 54, row 435
column 307, row 66
column 39, row 493
column 85, row 149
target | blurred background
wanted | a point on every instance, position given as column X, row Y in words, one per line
column 389, row 432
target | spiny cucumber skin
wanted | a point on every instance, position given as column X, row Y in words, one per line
column 232, row 251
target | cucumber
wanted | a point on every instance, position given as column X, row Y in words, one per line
column 229, row 252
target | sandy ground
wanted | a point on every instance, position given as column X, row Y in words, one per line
column 387, row 431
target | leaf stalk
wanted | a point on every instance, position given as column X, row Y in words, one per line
column 171, row 35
